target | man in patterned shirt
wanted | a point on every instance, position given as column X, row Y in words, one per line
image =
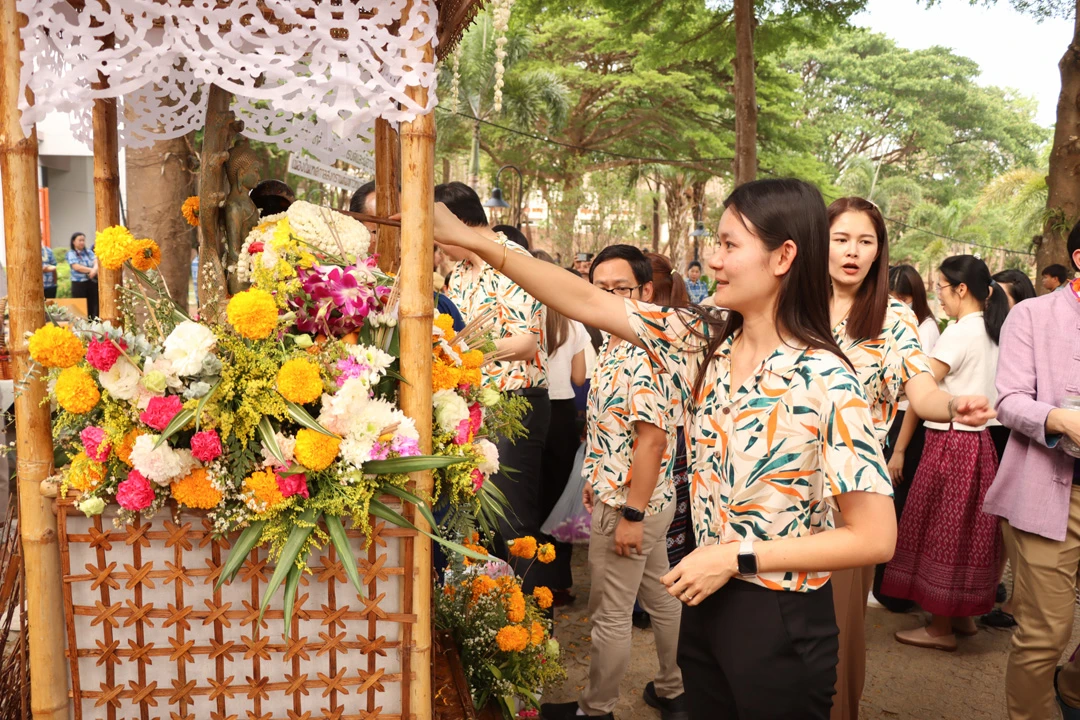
column 476, row 287
column 630, row 451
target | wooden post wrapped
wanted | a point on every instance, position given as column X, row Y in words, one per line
column 26, row 298
column 387, row 181
column 107, row 198
column 417, row 259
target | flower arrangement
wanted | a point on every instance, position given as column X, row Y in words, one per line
column 504, row 635
column 252, row 420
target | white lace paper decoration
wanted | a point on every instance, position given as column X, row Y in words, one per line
column 331, row 67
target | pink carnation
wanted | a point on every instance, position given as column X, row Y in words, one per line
column 477, row 479
column 161, row 410
column 205, row 445
column 463, row 433
column 290, row 485
column 103, row 354
column 405, row 446
column 379, row 451
column 135, row 493
column 476, row 418
column 96, row 443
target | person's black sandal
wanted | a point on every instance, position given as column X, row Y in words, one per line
column 998, row 618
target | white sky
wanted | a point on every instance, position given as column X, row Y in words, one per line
column 1011, row 48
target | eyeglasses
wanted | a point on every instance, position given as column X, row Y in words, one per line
column 621, row 292
column 941, row 288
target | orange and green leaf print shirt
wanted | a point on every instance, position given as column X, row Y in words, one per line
column 765, row 458
column 626, row 388
column 517, row 313
column 886, row 362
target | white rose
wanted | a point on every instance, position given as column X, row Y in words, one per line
column 489, row 462
column 121, row 380
column 163, row 465
column 450, row 409
column 187, row 346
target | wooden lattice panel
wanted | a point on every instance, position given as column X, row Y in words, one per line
column 150, row 639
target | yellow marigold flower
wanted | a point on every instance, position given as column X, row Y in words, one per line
column 54, row 346
column 85, row 474
column 253, row 313
column 481, row 586
column 190, row 210
column 473, row 359
column 536, row 633
column 76, row 391
column 544, row 597
column 263, row 485
column 113, row 246
column 196, row 491
column 145, row 254
column 314, row 450
column 508, row 583
column 444, row 377
column 523, row 547
column 445, row 323
column 546, row 553
column 449, row 591
column 298, row 381
column 515, row 607
column 123, row 450
column 512, row 638
column 471, row 377
column 475, row 547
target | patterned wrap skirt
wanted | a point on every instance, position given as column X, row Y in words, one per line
column 947, row 548
column 679, row 541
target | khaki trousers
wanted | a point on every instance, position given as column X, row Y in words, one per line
column 850, row 590
column 1044, row 599
column 616, row 582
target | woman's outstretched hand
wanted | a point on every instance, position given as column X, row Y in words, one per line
column 449, row 230
column 701, row 573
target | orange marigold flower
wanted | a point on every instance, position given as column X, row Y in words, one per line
column 85, row 474
column 546, row 553
column 145, row 254
column 445, row 323
column 76, row 391
column 536, row 633
column 512, row 638
column 298, row 381
column 314, row 450
column 123, row 450
column 190, row 210
column 481, row 586
column 523, row 547
column 473, row 359
column 444, row 377
column 471, row 376
column 544, row 597
column 55, row 346
column 112, row 246
column 515, row 607
column 262, row 484
column 196, row 491
column 252, row 313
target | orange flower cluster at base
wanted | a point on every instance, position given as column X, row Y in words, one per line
column 196, row 491
column 190, row 210
column 523, row 547
column 512, row 638
column 544, row 597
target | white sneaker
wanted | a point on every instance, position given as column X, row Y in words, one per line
column 872, row 601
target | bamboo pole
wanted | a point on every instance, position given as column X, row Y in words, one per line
column 417, row 261
column 37, row 523
column 387, row 157
column 107, row 191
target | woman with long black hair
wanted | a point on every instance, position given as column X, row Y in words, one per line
column 779, row 430
column 948, row 549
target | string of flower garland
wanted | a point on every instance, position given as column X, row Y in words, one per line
column 501, row 22
column 455, row 85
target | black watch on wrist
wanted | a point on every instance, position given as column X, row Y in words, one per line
column 632, row 514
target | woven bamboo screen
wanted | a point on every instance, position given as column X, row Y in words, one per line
column 149, row 639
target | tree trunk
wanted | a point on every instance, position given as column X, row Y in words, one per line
column 159, row 179
column 677, row 201
column 745, row 165
column 656, row 220
column 1063, row 196
column 474, row 166
column 697, row 211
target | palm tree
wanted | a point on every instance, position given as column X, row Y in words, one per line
column 895, row 195
column 529, row 95
column 1022, row 192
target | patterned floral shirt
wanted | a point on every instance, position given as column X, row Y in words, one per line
column 886, row 362
column 626, row 388
column 517, row 313
column 766, row 458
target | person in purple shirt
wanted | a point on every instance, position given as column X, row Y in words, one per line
column 1037, row 492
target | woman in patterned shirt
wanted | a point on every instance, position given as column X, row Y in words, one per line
column 880, row 337
column 778, row 429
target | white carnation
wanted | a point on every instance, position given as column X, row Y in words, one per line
column 187, row 346
column 450, row 409
column 287, row 445
column 373, row 361
column 121, row 380
column 338, row 409
column 161, row 465
column 490, row 456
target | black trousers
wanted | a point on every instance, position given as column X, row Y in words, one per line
column 522, row 488
column 50, row 292
column 749, row 653
column 559, row 451
column 86, row 289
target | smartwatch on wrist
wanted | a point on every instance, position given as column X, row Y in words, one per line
column 632, row 514
column 747, row 559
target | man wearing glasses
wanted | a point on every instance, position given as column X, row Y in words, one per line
column 630, row 450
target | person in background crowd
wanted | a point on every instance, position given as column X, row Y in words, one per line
column 565, row 342
column 582, row 263
column 476, row 287
column 84, row 273
column 363, row 201
column 907, row 434
column 514, row 235
column 948, row 550
column 1054, row 277
column 766, row 390
column 48, row 270
column 879, row 336
column 272, row 197
column 1017, row 285
column 1037, row 493
column 628, row 462
column 696, row 288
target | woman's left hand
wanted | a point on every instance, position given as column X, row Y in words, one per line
column 973, row 410
column 703, row 572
